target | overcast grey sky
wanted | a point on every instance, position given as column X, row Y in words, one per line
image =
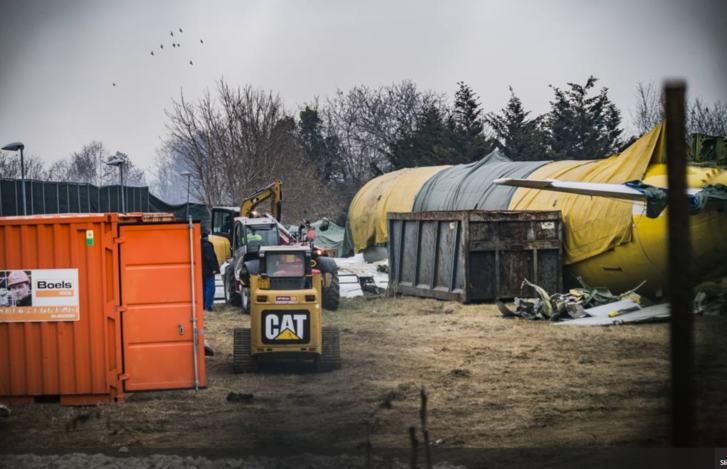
column 58, row 59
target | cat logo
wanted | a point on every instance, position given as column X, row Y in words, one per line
column 288, row 327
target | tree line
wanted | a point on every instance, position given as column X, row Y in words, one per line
column 235, row 140
column 86, row 166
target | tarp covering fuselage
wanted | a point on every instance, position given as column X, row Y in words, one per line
column 593, row 225
column 392, row 192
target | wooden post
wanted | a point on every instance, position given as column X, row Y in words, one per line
column 425, row 430
column 414, row 448
column 681, row 283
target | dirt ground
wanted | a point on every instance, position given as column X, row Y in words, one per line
column 492, row 382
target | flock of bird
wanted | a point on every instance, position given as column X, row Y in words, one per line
column 175, row 45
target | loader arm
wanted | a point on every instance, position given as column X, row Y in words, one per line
column 274, row 190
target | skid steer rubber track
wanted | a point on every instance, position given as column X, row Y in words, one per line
column 242, row 359
column 332, row 293
column 330, row 359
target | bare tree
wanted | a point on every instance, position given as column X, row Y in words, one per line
column 84, row 166
column 167, row 183
column 701, row 118
column 367, row 121
column 88, row 166
column 649, row 108
column 239, row 141
column 133, row 176
column 231, row 144
column 10, row 166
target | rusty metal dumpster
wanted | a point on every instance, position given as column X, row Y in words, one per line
column 92, row 309
column 474, row 254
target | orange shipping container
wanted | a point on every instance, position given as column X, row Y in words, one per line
column 92, row 309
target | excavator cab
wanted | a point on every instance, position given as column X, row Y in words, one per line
column 223, row 218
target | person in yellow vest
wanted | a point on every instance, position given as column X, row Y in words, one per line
column 253, row 236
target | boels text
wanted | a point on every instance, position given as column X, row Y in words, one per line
column 43, row 285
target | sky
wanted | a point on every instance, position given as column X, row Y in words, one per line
column 59, row 59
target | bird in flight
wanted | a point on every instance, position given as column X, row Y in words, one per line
column 171, row 33
column 161, row 45
column 190, row 63
column 201, row 41
column 180, row 30
column 152, row 52
column 114, row 84
column 174, row 45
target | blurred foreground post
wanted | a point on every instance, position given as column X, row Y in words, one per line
column 681, row 283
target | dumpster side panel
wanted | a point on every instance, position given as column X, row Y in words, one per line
column 475, row 255
column 426, row 255
column 72, row 359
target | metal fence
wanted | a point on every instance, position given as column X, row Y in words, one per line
column 44, row 197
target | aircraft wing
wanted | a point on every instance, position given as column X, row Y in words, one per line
column 616, row 191
column 654, row 197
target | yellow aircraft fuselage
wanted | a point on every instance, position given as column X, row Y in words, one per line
column 644, row 257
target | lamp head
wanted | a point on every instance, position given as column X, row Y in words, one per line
column 115, row 161
column 185, row 173
column 15, row 146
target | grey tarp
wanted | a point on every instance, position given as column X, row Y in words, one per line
column 471, row 187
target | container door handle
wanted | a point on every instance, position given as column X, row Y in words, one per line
column 181, row 329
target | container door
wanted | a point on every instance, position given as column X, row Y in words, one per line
column 156, row 300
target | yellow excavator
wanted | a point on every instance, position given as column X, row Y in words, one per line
column 238, row 234
column 223, row 218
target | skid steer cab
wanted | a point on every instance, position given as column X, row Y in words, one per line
column 286, row 314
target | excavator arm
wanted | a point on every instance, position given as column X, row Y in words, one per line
column 274, row 190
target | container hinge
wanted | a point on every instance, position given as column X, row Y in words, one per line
column 121, row 309
column 124, row 377
column 119, row 240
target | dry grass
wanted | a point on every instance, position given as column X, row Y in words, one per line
column 492, row 382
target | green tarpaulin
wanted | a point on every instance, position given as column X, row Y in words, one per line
column 330, row 239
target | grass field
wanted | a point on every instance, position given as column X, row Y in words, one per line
column 492, row 382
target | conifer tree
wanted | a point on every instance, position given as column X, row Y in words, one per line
column 516, row 136
column 583, row 127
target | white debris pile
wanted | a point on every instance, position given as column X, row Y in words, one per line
column 620, row 313
column 352, row 270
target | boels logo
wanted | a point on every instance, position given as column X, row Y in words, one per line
column 289, row 327
column 53, row 288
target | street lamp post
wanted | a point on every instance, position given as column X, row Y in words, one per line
column 15, row 147
column 189, row 176
column 119, row 162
